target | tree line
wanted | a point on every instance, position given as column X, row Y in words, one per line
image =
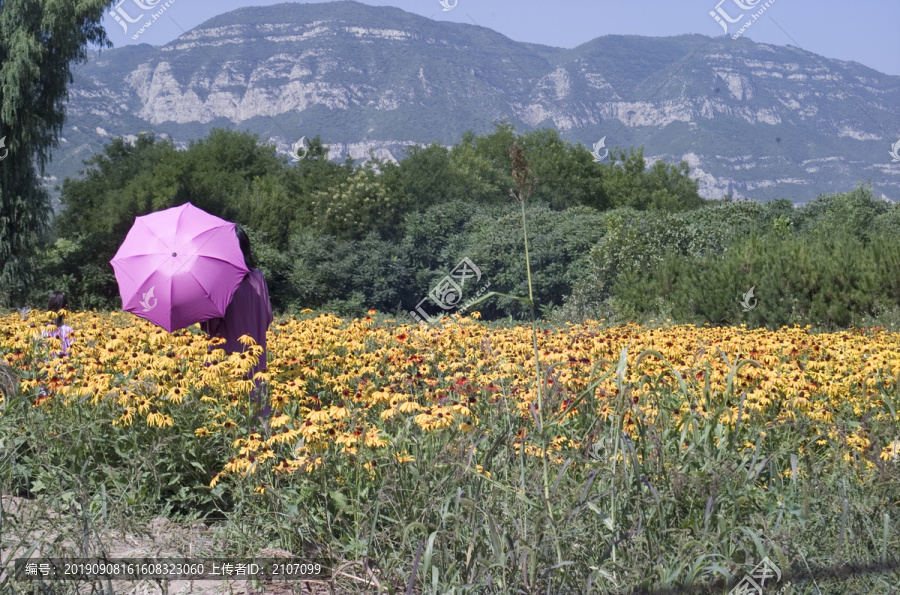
column 614, row 240
column 352, row 237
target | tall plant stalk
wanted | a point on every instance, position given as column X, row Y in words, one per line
column 525, row 182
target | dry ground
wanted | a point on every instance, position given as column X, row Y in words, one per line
column 28, row 523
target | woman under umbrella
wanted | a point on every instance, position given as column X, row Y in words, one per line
column 248, row 313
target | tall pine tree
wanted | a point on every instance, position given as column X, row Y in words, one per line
column 39, row 42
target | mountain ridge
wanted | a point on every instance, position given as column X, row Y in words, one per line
column 769, row 121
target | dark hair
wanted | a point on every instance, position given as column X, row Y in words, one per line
column 244, row 241
column 58, row 302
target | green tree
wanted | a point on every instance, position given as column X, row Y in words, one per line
column 310, row 175
column 429, row 176
column 664, row 187
column 216, row 174
column 365, row 202
column 123, row 182
column 622, row 177
column 220, row 169
column 854, row 212
column 39, row 41
column 558, row 243
column 566, row 175
column 671, row 188
column 269, row 207
column 483, row 162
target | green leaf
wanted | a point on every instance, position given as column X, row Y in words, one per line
column 340, row 500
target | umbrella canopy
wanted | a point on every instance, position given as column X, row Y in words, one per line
column 179, row 266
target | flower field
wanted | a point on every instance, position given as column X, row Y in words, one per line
column 646, row 458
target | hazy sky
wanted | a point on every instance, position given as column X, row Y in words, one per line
column 867, row 32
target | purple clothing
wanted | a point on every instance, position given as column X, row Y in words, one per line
column 249, row 313
column 64, row 334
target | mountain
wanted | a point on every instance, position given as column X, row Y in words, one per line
column 768, row 121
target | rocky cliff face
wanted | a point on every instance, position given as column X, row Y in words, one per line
column 772, row 122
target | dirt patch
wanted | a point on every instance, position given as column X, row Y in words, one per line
column 33, row 525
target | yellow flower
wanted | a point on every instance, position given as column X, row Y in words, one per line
column 373, row 439
column 410, row 406
column 318, row 416
column 891, row 452
column 370, row 467
column 176, row 394
column 154, row 418
column 127, row 417
column 246, row 340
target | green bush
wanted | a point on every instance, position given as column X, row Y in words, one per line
column 636, row 242
column 854, row 212
column 434, row 237
column 558, row 243
column 357, row 206
column 827, row 280
column 372, row 272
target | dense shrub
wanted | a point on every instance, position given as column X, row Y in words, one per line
column 828, row 280
column 434, row 237
column 854, row 212
column 636, row 242
column 558, row 244
column 363, row 203
column 355, row 275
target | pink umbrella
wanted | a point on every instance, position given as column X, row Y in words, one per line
column 179, row 266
